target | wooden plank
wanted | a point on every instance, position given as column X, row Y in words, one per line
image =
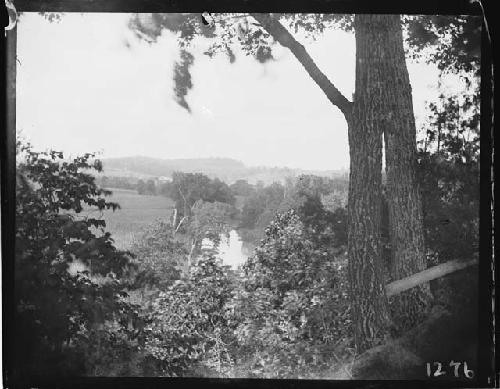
column 427, row 275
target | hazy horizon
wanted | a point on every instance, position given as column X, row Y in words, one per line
column 224, row 158
column 87, row 84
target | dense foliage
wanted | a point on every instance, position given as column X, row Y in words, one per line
column 188, row 188
column 242, row 188
column 259, row 208
column 159, row 257
column 129, row 183
column 452, row 42
column 261, row 205
column 70, row 284
column 190, row 322
column 293, row 306
column 284, row 314
column 147, row 187
column 450, row 182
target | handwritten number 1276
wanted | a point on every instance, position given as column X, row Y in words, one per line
column 456, row 369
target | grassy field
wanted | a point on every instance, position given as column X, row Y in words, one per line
column 137, row 212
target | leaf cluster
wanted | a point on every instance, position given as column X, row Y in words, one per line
column 69, row 277
column 451, row 42
column 159, row 256
column 188, row 188
column 293, row 307
column 190, row 322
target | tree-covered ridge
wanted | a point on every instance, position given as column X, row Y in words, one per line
column 228, row 170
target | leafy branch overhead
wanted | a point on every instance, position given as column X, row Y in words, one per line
column 254, row 34
column 182, row 78
column 452, row 42
column 455, row 41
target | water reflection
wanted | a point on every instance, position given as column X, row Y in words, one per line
column 232, row 249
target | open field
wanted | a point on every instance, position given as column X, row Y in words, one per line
column 137, row 212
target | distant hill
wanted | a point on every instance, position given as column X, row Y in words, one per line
column 226, row 169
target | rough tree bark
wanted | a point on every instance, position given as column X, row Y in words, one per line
column 403, row 195
column 369, row 304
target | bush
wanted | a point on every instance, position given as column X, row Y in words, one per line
column 59, row 309
column 293, row 305
column 190, row 322
column 159, row 256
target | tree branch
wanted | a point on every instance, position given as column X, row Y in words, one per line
column 174, row 217
column 427, row 275
column 179, row 225
column 283, row 37
column 185, row 201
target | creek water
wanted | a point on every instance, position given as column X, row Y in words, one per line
column 232, row 250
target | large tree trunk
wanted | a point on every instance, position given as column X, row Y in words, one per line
column 369, row 304
column 404, row 200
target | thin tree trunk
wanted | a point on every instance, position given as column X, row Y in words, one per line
column 403, row 194
column 186, row 206
column 174, row 218
column 439, row 137
column 190, row 255
column 179, row 225
column 369, row 305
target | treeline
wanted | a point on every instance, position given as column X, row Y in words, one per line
column 187, row 188
column 262, row 203
column 241, row 187
column 150, row 186
column 255, row 206
column 226, row 169
column 129, row 183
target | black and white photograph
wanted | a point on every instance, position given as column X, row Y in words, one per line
column 246, row 195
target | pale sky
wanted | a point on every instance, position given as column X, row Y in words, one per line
column 87, row 84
